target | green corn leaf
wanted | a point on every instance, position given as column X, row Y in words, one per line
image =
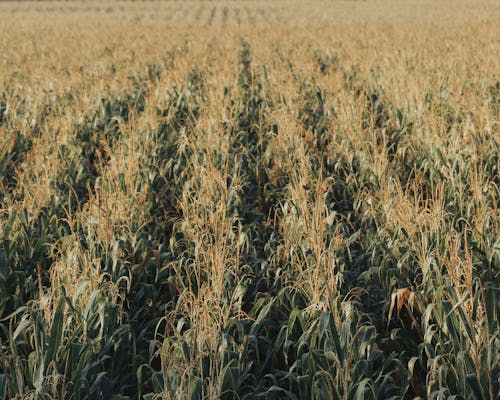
column 56, row 333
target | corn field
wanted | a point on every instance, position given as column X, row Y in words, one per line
column 250, row 199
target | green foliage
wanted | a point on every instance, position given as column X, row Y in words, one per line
column 230, row 241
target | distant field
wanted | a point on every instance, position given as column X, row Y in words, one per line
column 250, row 200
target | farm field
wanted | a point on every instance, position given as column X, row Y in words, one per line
column 250, row 200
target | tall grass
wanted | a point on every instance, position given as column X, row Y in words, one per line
column 248, row 200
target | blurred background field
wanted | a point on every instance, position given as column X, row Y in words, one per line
column 250, row 200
